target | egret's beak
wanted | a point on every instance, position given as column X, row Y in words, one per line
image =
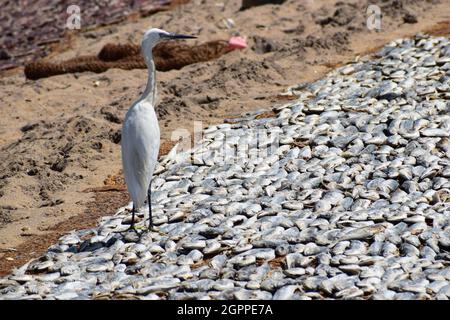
column 179, row 36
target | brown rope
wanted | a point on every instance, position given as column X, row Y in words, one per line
column 113, row 52
column 167, row 56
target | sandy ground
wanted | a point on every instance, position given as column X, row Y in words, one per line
column 60, row 136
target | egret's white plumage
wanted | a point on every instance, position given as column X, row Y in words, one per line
column 140, row 146
column 140, row 132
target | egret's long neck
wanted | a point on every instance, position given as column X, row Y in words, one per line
column 150, row 90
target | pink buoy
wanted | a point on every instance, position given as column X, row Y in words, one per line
column 237, row 43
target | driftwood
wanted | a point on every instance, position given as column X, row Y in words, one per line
column 167, row 56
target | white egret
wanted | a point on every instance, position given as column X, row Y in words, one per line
column 140, row 131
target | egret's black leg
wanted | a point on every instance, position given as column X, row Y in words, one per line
column 132, row 217
column 149, row 193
